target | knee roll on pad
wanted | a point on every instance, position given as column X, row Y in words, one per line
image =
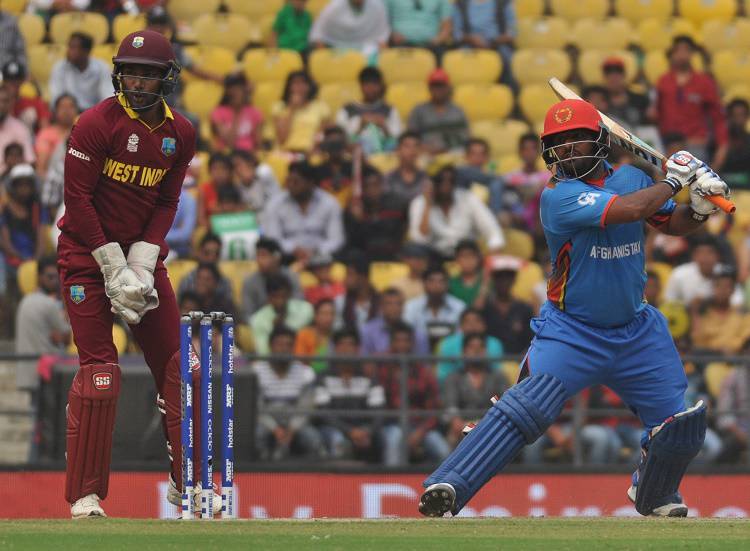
column 670, row 449
column 92, row 405
column 534, row 404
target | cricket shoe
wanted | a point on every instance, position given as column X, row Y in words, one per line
column 87, row 506
column 676, row 509
column 437, row 500
column 174, row 496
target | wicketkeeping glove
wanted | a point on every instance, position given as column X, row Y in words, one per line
column 121, row 284
column 681, row 168
column 707, row 183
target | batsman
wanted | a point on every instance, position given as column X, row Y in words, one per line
column 125, row 163
column 595, row 327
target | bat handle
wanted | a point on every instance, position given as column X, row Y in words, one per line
column 724, row 204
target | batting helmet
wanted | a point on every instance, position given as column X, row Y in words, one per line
column 147, row 48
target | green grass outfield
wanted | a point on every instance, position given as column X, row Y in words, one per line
column 556, row 534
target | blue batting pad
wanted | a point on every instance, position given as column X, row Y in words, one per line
column 521, row 416
column 669, row 453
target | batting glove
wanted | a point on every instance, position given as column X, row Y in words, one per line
column 681, row 168
column 707, row 183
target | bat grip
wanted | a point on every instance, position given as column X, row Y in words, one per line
column 724, row 204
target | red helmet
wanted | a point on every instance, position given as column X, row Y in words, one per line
column 571, row 114
column 147, row 48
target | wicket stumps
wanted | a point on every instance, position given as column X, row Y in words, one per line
column 207, row 425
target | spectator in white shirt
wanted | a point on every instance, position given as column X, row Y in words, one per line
column 355, row 24
column 87, row 79
column 442, row 216
column 693, row 281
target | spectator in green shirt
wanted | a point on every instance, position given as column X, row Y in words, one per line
column 291, row 27
column 424, row 23
column 467, row 283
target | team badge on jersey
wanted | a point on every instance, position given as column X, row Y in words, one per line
column 137, row 42
column 133, row 143
column 77, row 294
column 168, row 146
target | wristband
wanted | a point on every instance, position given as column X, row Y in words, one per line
column 674, row 184
column 697, row 216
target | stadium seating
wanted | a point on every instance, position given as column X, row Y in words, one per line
column 243, row 337
column 119, row 338
column 217, row 59
column 721, row 35
column 736, row 91
column 178, row 269
column 14, row 7
column 62, row 25
column 228, row 30
column 529, row 276
column 254, row 10
column 529, row 8
column 655, row 64
column 316, row 6
column 236, row 271
column 406, row 64
column 405, row 96
column 261, row 65
column 279, row 163
column 534, row 100
column 336, row 94
column 32, row 28
column 124, row 24
column 329, row 65
column 731, row 67
column 42, row 57
column 384, row 162
column 502, row 136
column 484, row 101
column 578, row 9
column 714, row 375
column 638, row 10
column 536, row 66
column 180, row 10
column 26, row 277
column 614, row 33
column 105, row 52
column 662, row 270
column 542, row 32
column 699, row 11
column 383, row 274
column 518, row 243
column 266, row 94
column 467, row 66
column 655, row 34
column 201, row 96
column 590, row 65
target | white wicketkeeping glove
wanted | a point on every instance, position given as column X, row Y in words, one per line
column 121, row 284
column 142, row 258
column 681, row 168
column 707, row 183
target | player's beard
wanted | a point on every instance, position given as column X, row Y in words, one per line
column 142, row 101
column 576, row 167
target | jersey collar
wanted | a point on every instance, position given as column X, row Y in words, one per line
column 134, row 114
column 599, row 182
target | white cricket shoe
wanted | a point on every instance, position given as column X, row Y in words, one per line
column 437, row 500
column 174, row 496
column 87, row 506
column 668, row 510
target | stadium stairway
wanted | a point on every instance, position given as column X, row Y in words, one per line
column 15, row 417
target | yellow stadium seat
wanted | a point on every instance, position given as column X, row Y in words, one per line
column 383, row 274
column 32, row 28
column 699, row 11
column 655, row 34
column 614, row 33
column 655, row 64
column 405, row 96
column 518, row 243
column 484, row 101
column 279, row 163
column 329, row 65
column 534, row 100
column 737, row 91
column 28, row 90
column 262, row 65
column 266, row 26
column 14, row 7
column 266, row 94
column 384, row 162
column 228, row 30
column 42, row 57
column 26, row 277
column 180, row 10
column 316, row 6
column 529, row 276
column 573, row 10
column 236, row 271
column 62, row 25
column 406, row 64
column 119, row 338
column 105, row 52
column 472, row 66
column 243, row 338
column 638, row 10
column 662, row 271
column 536, row 66
column 201, row 96
column 219, row 60
column 510, row 370
column 508, row 163
column 124, row 24
column 502, row 136
column 590, row 65
column 529, row 8
column 178, row 269
column 337, row 94
column 722, row 35
column 714, row 375
column 542, row 32
column 731, row 67
column 254, row 10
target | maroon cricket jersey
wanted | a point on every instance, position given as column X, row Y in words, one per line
column 122, row 178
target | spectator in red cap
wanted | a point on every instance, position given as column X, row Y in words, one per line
column 441, row 124
column 625, row 106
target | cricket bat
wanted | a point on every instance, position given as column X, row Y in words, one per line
column 632, row 143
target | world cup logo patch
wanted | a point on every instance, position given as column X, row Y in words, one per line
column 563, row 115
column 137, row 42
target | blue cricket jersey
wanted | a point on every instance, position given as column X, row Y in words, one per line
column 598, row 271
